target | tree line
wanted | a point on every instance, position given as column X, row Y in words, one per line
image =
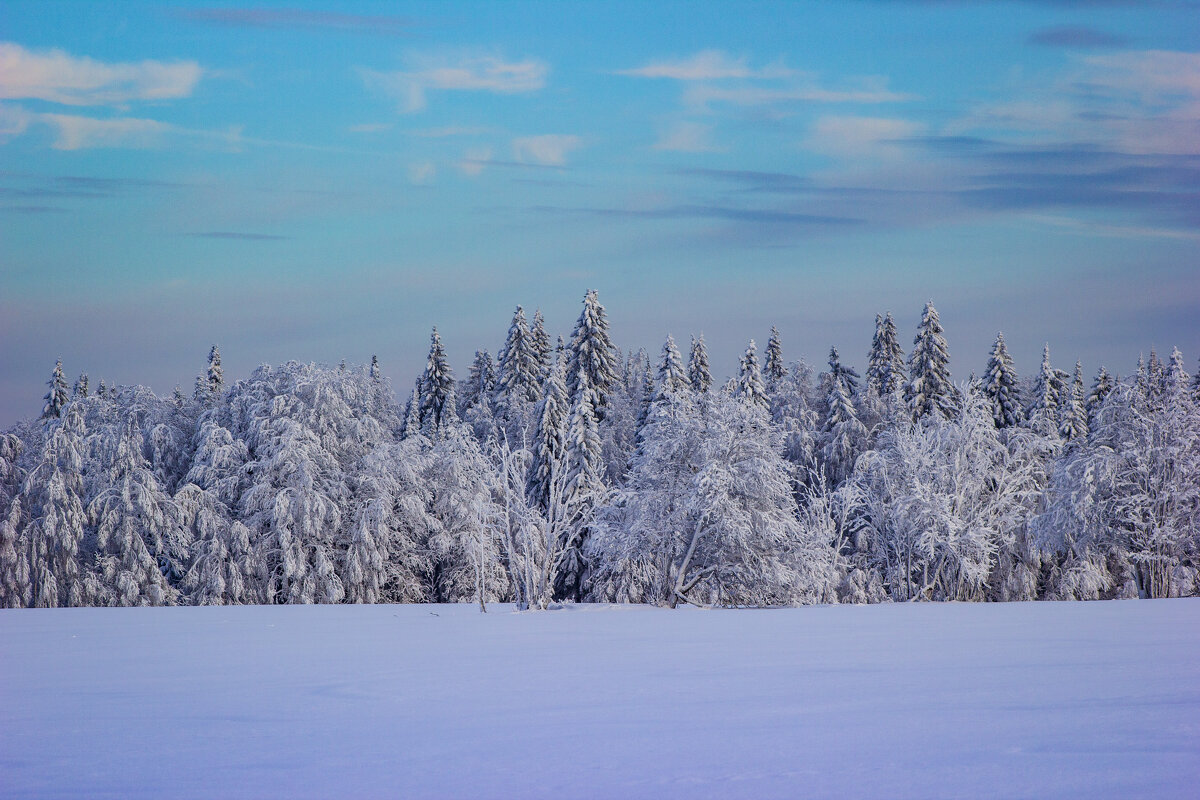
column 573, row 472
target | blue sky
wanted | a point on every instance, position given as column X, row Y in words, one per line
column 327, row 181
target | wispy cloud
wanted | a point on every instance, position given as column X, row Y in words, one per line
column 301, row 19
column 869, row 91
column 474, row 160
column 1077, row 37
column 861, row 137
column 686, row 137
column 421, row 173
column 707, row 65
column 547, row 150
column 474, row 74
column 58, row 77
column 79, row 133
column 370, row 127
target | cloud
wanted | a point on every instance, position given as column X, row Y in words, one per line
column 707, row 65
column 859, row 137
column 1077, row 37
column 78, row 133
column 421, row 173
column 474, row 160
column 59, row 77
column 686, row 137
column 476, row 74
column 547, row 150
column 873, row 90
column 300, row 19
column 236, row 235
column 370, row 127
column 449, row 131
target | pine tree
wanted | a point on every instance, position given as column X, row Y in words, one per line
column 541, row 346
column 843, row 432
column 549, row 437
column 838, row 371
column 1102, row 386
column 57, row 397
column 437, row 408
column 412, row 412
column 773, row 369
column 584, row 483
column 672, row 377
column 481, row 380
column 519, row 370
column 698, row 372
column 885, row 362
column 1074, row 423
column 1001, row 387
column 375, row 373
column 81, row 386
column 929, row 389
column 178, row 398
column 1046, row 400
column 1176, row 377
column 749, row 386
column 102, row 389
column 216, row 380
column 592, row 360
column 1155, row 379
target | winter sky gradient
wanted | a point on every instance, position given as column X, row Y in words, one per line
column 295, row 181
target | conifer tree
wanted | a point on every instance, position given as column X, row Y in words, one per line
column 1102, row 386
column 1001, row 387
column 1196, row 385
column 437, row 389
column 102, row 389
column 216, row 380
column 376, row 374
column 541, row 346
column 481, row 380
column 519, row 371
column 57, row 397
column 592, row 358
column 773, row 369
column 584, row 483
column 81, row 386
column 550, row 436
column 838, row 371
column 412, row 412
column 749, row 386
column 1045, row 402
column 929, row 389
column 885, row 362
column 1176, row 377
column 1074, row 423
column 672, row 377
column 698, row 372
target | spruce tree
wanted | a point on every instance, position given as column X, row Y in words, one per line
column 1001, row 387
column 376, row 374
column 592, row 357
column 1074, row 423
column 885, row 362
column 1176, row 377
column 773, row 369
column 929, row 389
column 550, row 436
column 698, row 372
column 437, row 389
column 838, row 371
column 1102, row 386
column 541, row 346
column 216, row 380
column 56, row 397
column 584, row 483
column 481, row 380
column 1196, row 385
column 1045, row 402
column 519, row 371
column 672, row 377
column 749, row 386
column 81, row 386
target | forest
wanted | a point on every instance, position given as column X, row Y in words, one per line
column 572, row 471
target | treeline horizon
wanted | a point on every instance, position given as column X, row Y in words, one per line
column 572, row 471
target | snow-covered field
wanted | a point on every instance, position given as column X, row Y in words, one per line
column 915, row 700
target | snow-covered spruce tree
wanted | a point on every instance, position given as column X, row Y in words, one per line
column 592, row 359
column 411, row 425
column 843, row 434
column 214, row 376
column 1000, row 386
column 672, row 377
column 585, row 487
column 929, row 390
column 14, row 558
column 749, row 384
column 1176, row 377
column 796, row 420
column 541, row 346
column 375, row 372
column 941, row 501
column 698, row 371
column 1196, row 385
column 80, row 389
column 645, row 394
column 437, row 406
column 885, row 362
column 1122, row 513
column 56, row 398
column 1101, row 387
column 1073, row 422
column 480, row 382
column 774, row 369
column 549, row 438
column 519, row 370
column 52, row 498
column 1043, row 409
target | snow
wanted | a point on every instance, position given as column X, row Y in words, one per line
column 897, row 700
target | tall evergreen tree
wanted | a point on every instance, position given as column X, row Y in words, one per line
column 81, row 386
column 1176, row 377
column 1001, row 387
column 437, row 407
column 57, row 397
column 216, row 379
column 1045, row 402
column 584, row 483
column 838, row 371
column 774, row 369
column 541, row 346
column 1102, row 386
column 592, row 358
column 481, row 380
column 929, row 389
column 519, row 371
column 1196, row 385
column 375, row 373
column 698, row 372
column 672, row 377
column 550, row 436
column 749, row 386
column 885, row 362
column 1074, row 423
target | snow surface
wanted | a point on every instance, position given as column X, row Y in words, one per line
column 907, row 700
